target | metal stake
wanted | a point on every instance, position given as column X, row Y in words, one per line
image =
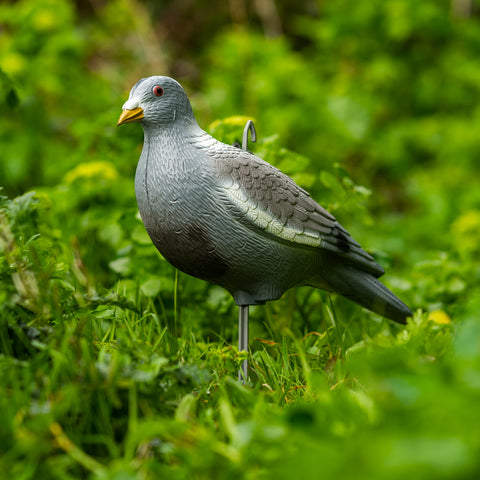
column 243, row 341
column 249, row 128
column 243, row 312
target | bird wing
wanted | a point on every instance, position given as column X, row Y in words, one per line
column 267, row 200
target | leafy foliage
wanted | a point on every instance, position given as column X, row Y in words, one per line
column 114, row 366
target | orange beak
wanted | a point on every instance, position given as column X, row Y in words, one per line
column 127, row 116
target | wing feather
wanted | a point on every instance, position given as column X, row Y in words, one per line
column 267, row 200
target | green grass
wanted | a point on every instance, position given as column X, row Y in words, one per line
column 118, row 396
column 141, row 383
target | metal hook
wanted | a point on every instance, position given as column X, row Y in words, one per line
column 249, row 127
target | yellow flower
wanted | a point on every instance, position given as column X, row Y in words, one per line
column 235, row 121
column 439, row 317
column 44, row 20
column 87, row 171
column 469, row 222
column 466, row 231
column 13, row 63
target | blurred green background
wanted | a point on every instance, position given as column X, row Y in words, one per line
column 370, row 105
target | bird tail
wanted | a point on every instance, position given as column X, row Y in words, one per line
column 364, row 289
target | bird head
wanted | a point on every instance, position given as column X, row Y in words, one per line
column 156, row 102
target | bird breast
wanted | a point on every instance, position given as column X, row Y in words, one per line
column 176, row 199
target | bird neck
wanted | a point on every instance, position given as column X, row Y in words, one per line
column 180, row 126
column 166, row 147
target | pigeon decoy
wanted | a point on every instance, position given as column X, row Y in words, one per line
column 219, row 213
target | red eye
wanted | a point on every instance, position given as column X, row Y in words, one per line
column 158, row 91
